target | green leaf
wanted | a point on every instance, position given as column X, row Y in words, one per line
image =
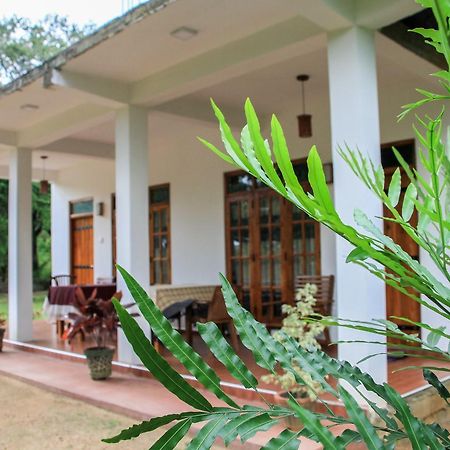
column 143, row 427
column 250, row 331
column 170, row 439
column 260, row 148
column 318, row 182
column 362, row 423
column 230, row 431
column 173, row 341
column 205, row 438
column 435, row 382
column 357, row 254
column 395, row 187
column 286, row 440
column 220, row 348
column 408, row 202
column 156, row 364
column 313, row 424
column 249, row 428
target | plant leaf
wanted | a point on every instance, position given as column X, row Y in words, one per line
column 170, row 439
column 286, row 440
column 205, row 438
column 362, row 423
column 220, row 348
column 156, row 364
column 395, row 187
column 435, row 382
column 173, row 341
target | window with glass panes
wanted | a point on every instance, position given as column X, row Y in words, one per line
column 159, row 208
column 269, row 242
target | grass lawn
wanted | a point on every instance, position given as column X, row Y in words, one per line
column 35, row 419
column 38, row 301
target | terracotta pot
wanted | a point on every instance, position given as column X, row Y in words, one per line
column 2, row 333
column 99, row 360
column 292, row 422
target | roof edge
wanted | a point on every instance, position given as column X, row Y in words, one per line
column 106, row 31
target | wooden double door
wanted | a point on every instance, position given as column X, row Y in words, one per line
column 269, row 242
column 82, row 248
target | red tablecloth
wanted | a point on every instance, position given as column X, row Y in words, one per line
column 65, row 295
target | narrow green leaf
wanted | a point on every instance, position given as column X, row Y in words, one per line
column 156, row 364
column 357, row 254
column 220, row 348
column 318, row 181
column 205, row 438
column 230, row 431
column 408, row 202
column 143, row 427
column 435, row 382
column 395, row 187
column 173, row 341
column 260, row 148
column 249, row 330
column 362, row 423
column 215, row 150
column 170, row 439
column 319, row 432
column 286, row 440
column 249, row 428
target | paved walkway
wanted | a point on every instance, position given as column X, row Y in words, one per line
column 139, row 398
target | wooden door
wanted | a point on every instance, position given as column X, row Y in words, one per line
column 268, row 243
column 398, row 304
column 82, row 249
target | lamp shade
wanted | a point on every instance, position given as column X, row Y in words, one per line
column 304, row 125
column 44, row 187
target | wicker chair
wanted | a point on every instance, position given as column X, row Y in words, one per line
column 324, row 297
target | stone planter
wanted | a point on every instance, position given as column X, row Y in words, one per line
column 99, row 361
column 293, row 423
column 2, row 333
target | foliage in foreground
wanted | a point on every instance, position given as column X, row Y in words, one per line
column 428, row 195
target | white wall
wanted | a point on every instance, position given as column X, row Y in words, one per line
column 90, row 179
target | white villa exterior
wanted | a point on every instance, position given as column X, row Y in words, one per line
column 121, row 111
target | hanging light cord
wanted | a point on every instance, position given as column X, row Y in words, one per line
column 303, row 96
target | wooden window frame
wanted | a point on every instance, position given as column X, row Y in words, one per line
column 153, row 259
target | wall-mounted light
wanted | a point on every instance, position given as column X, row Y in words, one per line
column 304, row 120
column 100, row 208
column 184, row 33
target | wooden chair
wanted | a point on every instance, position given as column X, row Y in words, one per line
column 324, row 297
column 214, row 311
column 62, row 280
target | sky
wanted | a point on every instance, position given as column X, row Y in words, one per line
column 78, row 11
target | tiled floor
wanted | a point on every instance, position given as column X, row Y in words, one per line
column 404, row 380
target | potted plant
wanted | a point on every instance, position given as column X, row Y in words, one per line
column 97, row 318
column 2, row 331
column 305, row 333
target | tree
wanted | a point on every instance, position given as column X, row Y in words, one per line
column 25, row 45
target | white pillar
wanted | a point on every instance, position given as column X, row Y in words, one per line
column 355, row 121
column 20, row 266
column 132, row 206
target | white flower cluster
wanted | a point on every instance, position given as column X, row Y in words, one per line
column 305, row 332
